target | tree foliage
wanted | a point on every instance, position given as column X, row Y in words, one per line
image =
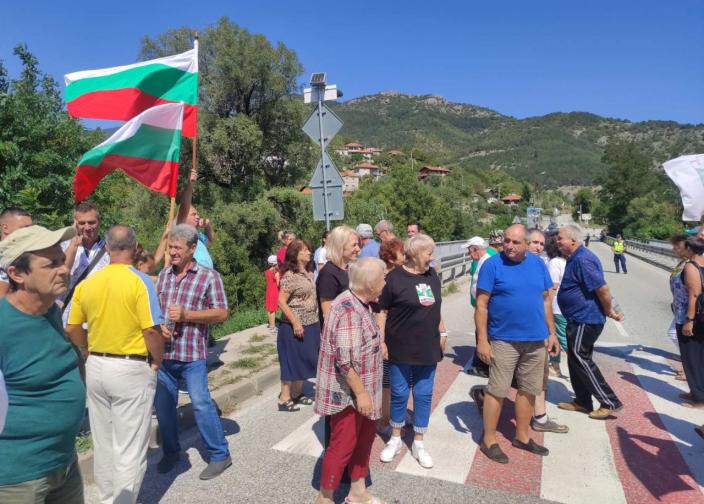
column 638, row 201
column 39, row 144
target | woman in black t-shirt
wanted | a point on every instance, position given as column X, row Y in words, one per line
column 413, row 337
column 342, row 248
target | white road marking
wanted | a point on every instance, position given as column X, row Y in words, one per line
column 449, row 437
column 679, row 421
column 581, row 457
column 306, row 440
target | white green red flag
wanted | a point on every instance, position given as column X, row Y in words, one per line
column 147, row 148
column 122, row 92
column 687, row 172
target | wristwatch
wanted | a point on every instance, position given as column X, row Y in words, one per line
column 689, row 319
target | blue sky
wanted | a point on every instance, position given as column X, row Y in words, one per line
column 634, row 60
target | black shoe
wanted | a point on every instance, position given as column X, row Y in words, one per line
column 477, row 371
column 215, row 469
column 167, row 463
column 530, row 446
column 494, row 452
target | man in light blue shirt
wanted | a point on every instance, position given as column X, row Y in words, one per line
column 369, row 246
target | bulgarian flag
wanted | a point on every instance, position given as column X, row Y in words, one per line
column 120, row 93
column 146, row 148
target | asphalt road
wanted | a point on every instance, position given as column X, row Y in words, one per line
column 275, row 453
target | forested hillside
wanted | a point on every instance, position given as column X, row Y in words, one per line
column 555, row 149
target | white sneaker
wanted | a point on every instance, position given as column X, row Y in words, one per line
column 422, row 456
column 391, row 449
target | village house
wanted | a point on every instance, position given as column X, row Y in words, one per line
column 426, row 171
column 511, row 199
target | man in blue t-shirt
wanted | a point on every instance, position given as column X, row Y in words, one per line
column 514, row 325
column 585, row 301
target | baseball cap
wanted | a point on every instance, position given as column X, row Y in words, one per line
column 496, row 236
column 272, row 260
column 31, row 239
column 475, row 241
column 365, row 231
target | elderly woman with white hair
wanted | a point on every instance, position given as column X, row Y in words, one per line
column 349, row 378
column 414, row 338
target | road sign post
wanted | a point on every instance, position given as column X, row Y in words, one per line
column 322, row 126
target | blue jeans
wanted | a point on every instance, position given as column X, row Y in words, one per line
column 620, row 260
column 195, row 374
column 402, row 378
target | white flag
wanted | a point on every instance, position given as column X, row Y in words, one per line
column 687, row 172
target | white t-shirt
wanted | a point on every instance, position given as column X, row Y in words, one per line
column 3, row 402
column 475, row 277
column 556, row 267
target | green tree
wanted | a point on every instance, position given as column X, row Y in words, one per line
column 629, row 176
column 39, row 144
column 250, row 128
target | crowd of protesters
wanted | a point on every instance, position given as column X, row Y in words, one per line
column 359, row 316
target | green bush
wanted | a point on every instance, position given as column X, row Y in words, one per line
column 240, row 320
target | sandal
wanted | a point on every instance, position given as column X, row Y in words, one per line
column 289, row 405
column 303, row 399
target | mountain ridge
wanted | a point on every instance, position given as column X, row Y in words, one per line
column 554, row 149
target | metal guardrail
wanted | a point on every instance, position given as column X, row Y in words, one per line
column 658, row 247
column 454, row 261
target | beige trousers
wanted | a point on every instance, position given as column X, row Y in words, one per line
column 120, row 398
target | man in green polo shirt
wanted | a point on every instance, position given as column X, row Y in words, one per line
column 46, row 397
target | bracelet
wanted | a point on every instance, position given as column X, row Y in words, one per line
column 688, row 319
column 443, row 334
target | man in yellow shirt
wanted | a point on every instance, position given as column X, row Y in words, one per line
column 125, row 348
column 619, row 248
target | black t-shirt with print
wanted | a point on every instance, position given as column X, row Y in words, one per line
column 413, row 304
column 331, row 282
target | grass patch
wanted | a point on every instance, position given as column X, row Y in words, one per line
column 240, row 320
column 245, row 363
column 451, row 288
column 256, row 349
column 257, row 338
column 84, row 442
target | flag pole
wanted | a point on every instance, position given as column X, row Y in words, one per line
column 194, row 167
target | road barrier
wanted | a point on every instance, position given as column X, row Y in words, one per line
column 454, row 260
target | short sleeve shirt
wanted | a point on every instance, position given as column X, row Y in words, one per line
column 201, row 255
column 44, row 393
column 117, row 302
column 371, row 249
column 516, row 303
column 302, row 301
column 331, row 282
column 556, row 267
column 577, row 296
column 199, row 288
column 413, row 303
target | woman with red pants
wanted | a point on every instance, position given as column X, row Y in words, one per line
column 349, row 382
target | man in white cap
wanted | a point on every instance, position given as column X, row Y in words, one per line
column 41, row 372
column 477, row 250
column 368, row 245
